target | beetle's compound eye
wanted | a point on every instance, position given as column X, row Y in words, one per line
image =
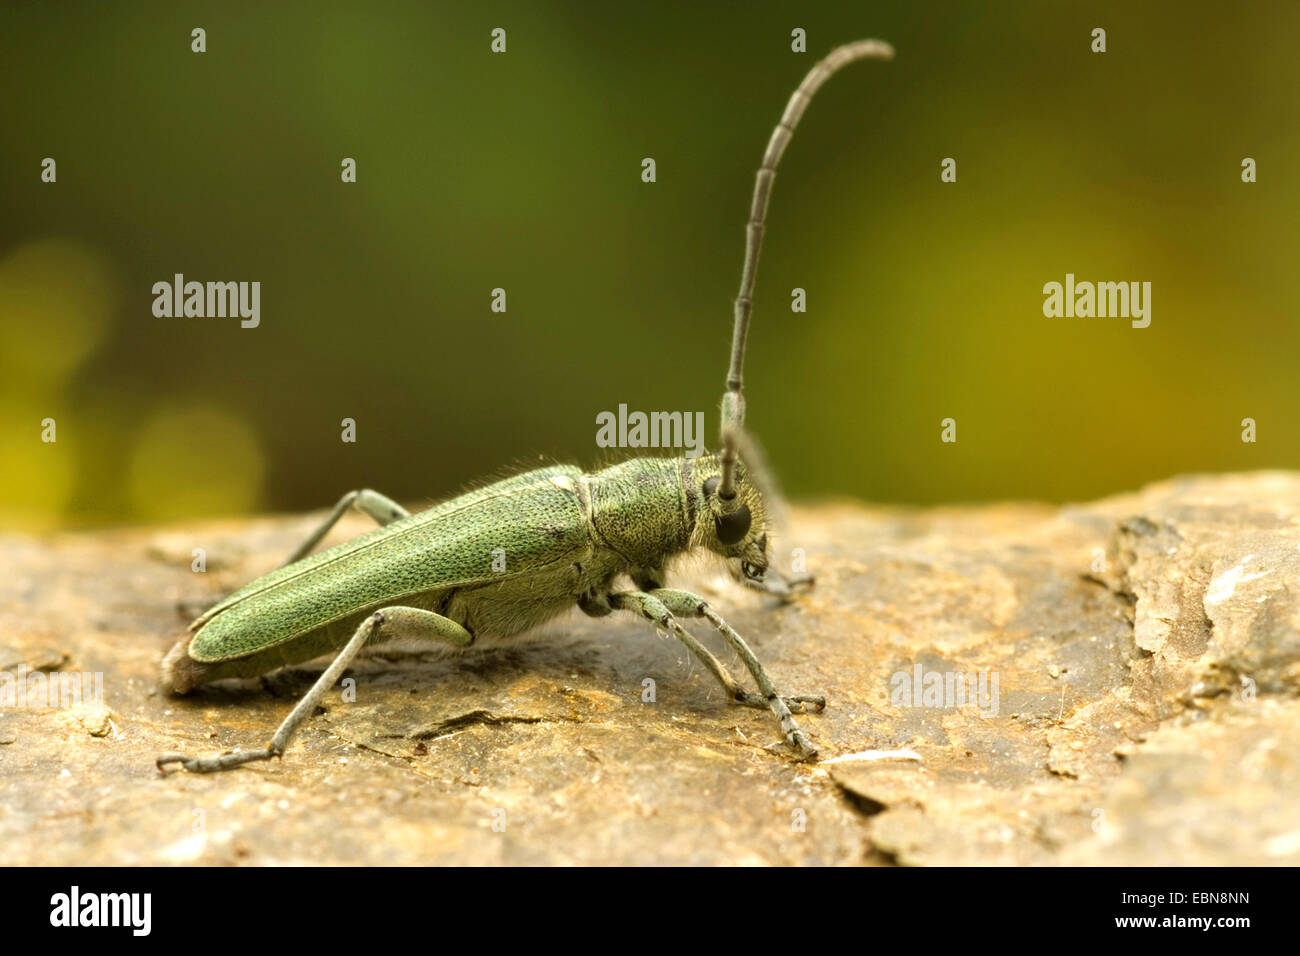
column 732, row 527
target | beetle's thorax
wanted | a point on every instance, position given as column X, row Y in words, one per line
column 644, row 509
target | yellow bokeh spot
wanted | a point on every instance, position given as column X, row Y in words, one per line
column 57, row 297
column 36, row 477
column 194, row 461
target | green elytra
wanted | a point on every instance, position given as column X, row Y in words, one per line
column 561, row 535
column 505, row 558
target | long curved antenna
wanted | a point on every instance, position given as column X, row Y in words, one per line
column 733, row 400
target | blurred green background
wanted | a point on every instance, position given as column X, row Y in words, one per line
column 522, row 171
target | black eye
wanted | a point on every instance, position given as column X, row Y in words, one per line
column 731, row 528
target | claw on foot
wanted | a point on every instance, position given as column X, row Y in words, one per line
column 816, row 702
column 806, row 750
column 225, row 761
column 165, row 759
column 796, row 705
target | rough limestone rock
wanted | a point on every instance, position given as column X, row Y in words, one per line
column 1113, row 683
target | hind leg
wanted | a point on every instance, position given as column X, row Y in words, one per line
column 395, row 622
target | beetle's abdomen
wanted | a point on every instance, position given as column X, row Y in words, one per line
column 515, row 529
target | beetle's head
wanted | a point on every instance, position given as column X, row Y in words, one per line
column 734, row 527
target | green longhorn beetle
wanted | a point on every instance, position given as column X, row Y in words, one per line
column 569, row 536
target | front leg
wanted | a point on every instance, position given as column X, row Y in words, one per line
column 664, row 605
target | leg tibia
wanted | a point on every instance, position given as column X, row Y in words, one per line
column 407, row 622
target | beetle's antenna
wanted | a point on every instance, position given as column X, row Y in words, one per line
column 733, row 400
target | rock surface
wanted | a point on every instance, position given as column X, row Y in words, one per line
column 1140, row 660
